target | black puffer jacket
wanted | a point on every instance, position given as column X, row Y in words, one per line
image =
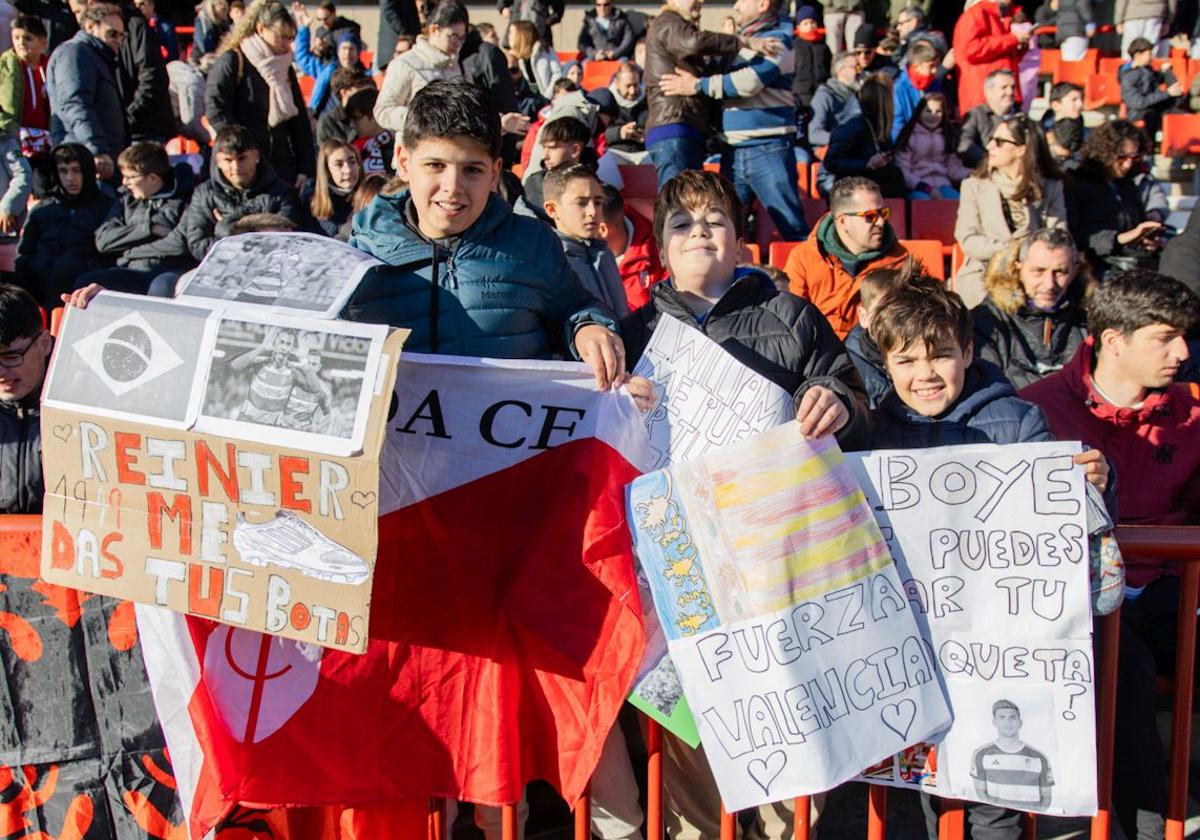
column 813, row 60
column 673, row 41
column 237, row 94
column 1028, row 344
column 778, row 335
column 58, row 242
column 1181, row 257
column 618, row 37
column 21, row 485
column 864, row 352
column 142, row 80
column 1099, row 208
column 126, row 234
column 268, row 194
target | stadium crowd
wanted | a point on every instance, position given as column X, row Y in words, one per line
column 793, row 152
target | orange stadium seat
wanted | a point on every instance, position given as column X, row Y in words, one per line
column 1049, row 60
column 307, row 83
column 366, row 57
column 814, row 171
column 597, row 74
column 779, row 253
column 929, row 253
column 1181, row 134
column 1077, row 72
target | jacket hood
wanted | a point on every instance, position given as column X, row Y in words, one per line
column 1077, row 375
column 382, row 230
column 984, row 383
column 263, row 178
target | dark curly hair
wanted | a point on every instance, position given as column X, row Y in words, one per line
column 1103, row 146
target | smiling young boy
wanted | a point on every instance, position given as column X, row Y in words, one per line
column 464, row 273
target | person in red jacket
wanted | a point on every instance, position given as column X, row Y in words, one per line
column 1119, row 395
column 631, row 239
column 983, row 43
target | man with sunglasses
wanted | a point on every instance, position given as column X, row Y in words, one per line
column 24, row 354
column 853, row 238
column 606, row 34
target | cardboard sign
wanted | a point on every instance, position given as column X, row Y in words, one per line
column 992, row 547
column 706, row 399
column 257, row 535
column 787, row 622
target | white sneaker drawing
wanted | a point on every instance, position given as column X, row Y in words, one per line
column 290, row 542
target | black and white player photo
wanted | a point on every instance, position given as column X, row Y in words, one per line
column 1007, row 771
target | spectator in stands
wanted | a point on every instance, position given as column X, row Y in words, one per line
column 58, row 242
column 329, row 24
column 859, row 344
column 573, row 199
column 1181, row 255
column 835, row 102
column 162, row 29
column 1142, row 87
column 434, row 57
column 563, row 142
column 1015, row 190
column 631, row 240
column 758, row 116
column 982, row 45
column 241, row 181
column 399, row 22
column 1142, row 19
column 253, row 84
column 919, row 78
column 1000, row 94
column 86, row 106
column 529, row 101
column 450, row 159
column 186, row 87
column 488, row 34
column 313, row 61
column 1033, row 318
column 211, row 25
column 814, row 63
column 677, row 127
column 869, row 60
column 606, row 34
column 1063, row 123
column 56, row 16
column 24, row 357
column 375, row 145
column 542, row 14
column 485, row 64
column 1104, row 208
column 538, row 62
column 925, row 151
column 862, row 146
column 627, row 133
column 853, row 238
column 344, row 83
column 1074, row 25
column 573, row 70
column 330, row 200
column 911, row 28
column 843, row 19
column 1119, row 394
column 137, row 232
column 16, row 185
column 24, row 98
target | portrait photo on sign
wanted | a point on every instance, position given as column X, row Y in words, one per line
column 130, row 356
column 1003, row 749
column 312, row 275
column 300, row 383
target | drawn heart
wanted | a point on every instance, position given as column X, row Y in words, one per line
column 363, row 499
column 63, row 432
column 766, row 771
column 235, row 665
column 899, row 717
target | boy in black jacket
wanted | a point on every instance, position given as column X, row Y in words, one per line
column 59, row 240
column 782, row 337
column 137, row 233
column 1141, row 87
column 813, row 62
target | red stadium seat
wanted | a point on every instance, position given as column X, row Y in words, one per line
column 957, row 258
column 899, row 218
column 928, row 252
column 802, row 178
column 751, row 253
column 641, row 180
column 1077, row 72
column 934, row 219
column 779, row 253
column 366, row 58
column 712, row 166
column 813, row 171
column 307, row 83
column 597, row 74
column 1181, row 135
column 1049, row 62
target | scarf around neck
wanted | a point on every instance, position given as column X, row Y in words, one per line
column 274, row 70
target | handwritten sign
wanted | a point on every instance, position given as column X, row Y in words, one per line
column 254, row 534
column 785, row 616
column 992, row 547
column 706, row 399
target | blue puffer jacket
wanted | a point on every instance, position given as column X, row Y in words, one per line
column 989, row 411
column 504, row 289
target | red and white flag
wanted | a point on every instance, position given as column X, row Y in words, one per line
column 505, row 625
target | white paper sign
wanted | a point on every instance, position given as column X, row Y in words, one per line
column 991, row 544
